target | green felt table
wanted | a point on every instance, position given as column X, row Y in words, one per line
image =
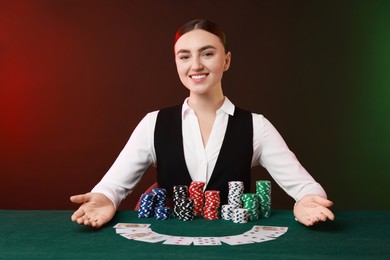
column 52, row 235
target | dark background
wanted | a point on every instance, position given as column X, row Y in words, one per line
column 77, row 76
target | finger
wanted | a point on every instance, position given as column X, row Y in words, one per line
column 322, row 217
column 87, row 222
column 78, row 214
column 81, row 220
column 90, row 219
column 314, row 220
column 323, row 202
column 99, row 220
column 94, row 222
column 80, row 198
column 305, row 221
column 97, row 223
column 309, row 222
column 328, row 213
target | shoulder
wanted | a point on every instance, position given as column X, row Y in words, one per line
column 256, row 117
column 170, row 109
column 167, row 115
column 148, row 121
column 151, row 117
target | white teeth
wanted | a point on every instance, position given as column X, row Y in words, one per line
column 198, row 76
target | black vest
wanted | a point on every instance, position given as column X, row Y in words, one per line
column 234, row 159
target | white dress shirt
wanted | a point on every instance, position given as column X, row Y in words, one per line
column 269, row 150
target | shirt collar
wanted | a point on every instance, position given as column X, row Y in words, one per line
column 227, row 107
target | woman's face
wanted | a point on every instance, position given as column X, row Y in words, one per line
column 200, row 61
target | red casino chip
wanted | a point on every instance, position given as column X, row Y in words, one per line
column 211, row 205
column 196, row 193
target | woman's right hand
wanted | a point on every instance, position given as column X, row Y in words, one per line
column 95, row 211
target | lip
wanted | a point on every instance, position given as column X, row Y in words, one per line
column 198, row 76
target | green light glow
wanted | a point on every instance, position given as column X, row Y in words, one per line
column 367, row 117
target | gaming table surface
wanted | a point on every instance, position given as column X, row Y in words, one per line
column 29, row 234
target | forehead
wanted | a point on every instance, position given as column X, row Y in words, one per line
column 196, row 39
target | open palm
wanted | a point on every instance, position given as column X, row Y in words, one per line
column 95, row 211
column 312, row 209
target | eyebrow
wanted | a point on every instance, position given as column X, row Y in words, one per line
column 200, row 50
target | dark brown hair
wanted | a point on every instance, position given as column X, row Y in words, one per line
column 203, row 25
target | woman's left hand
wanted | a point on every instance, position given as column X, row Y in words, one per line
column 311, row 209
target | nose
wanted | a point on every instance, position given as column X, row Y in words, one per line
column 197, row 64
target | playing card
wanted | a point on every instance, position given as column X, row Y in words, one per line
column 131, row 225
column 137, row 235
column 236, row 240
column 207, row 241
column 153, row 238
column 182, row 241
column 270, row 231
column 256, row 237
column 131, row 230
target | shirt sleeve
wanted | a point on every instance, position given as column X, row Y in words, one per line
column 271, row 151
column 132, row 162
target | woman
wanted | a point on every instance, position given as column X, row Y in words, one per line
column 205, row 139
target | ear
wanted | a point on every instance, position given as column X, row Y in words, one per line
column 227, row 61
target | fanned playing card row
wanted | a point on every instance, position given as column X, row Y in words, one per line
column 143, row 232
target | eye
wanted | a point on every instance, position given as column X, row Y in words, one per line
column 208, row 54
column 184, row 57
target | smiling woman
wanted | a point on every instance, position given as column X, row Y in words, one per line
column 201, row 62
column 205, row 139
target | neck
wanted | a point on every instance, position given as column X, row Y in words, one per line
column 206, row 103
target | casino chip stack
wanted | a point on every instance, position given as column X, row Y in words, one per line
column 183, row 205
column 263, row 190
column 236, row 189
column 197, row 195
column 160, row 197
column 212, row 203
column 161, row 213
column 185, row 209
column 240, row 216
column 146, row 207
column 227, row 211
column 251, row 203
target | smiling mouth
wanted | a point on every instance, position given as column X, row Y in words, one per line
column 199, row 76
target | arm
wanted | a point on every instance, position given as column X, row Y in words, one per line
column 120, row 180
column 271, row 151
